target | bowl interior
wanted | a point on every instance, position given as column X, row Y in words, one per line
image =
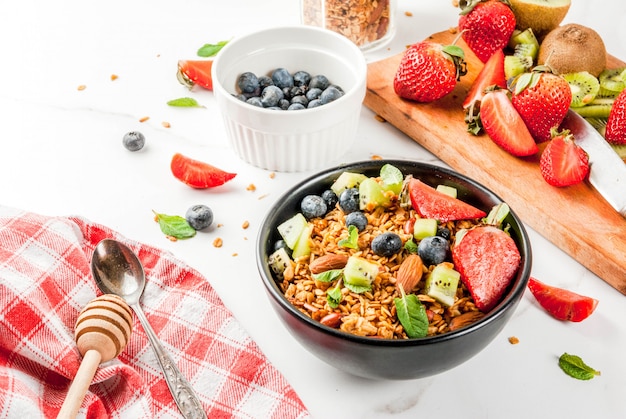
column 468, row 191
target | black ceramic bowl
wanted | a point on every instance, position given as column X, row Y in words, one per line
column 382, row 358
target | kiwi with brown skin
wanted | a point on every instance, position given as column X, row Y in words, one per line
column 573, row 48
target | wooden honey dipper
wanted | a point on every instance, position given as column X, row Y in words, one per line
column 102, row 331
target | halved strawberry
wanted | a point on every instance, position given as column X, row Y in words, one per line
column 563, row 162
column 505, row 126
column 487, row 259
column 430, row 203
column 560, row 303
column 492, row 74
column 198, row 174
column 616, row 124
column 195, row 72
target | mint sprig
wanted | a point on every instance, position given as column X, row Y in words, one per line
column 574, row 366
column 175, row 226
column 211, row 50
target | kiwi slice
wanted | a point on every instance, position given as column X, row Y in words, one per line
column 598, row 123
column 514, row 65
column 600, row 107
column 611, row 82
column 584, row 87
column 524, row 43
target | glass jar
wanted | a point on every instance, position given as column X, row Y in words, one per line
column 368, row 23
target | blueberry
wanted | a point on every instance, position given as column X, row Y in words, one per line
column 301, row 78
column 444, row 232
column 256, row 101
column 357, row 219
column 296, row 91
column 313, row 206
column 265, row 81
column 248, row 82
column 319, row 81
column 330, row 94
column 314, row 93
column 282, row 78
column 433, row 250
column 330, row 198
column 296, row 107
column 281, row 244
column 271, row 95
column 387, row 244
column 284, row 104
column 134, row 141
column 301, row 99
column 349, row 200
column 199, row 217
column 314, row 103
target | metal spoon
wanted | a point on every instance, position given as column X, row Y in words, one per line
column 117, row 270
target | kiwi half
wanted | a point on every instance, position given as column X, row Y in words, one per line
column 611, row 82
column 584, row 87
column 514, row 65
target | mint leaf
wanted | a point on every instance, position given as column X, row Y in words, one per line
column 410, row 246
column 353, row 238
column 327, row 276
column 175, row 226
column 333, row 296
column 185, row 102
column 574, row 366
column 211, row 50
column 412, row 315
column 358, row 289
column 391, row 175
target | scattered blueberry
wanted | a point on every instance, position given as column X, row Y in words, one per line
column 199, row 217
column 349, row 200
column 433, row 250
column 248, row 82
column 387, row 244
column 134, row 141
column 313, row 206
column 282, row 78
column 357, row 219
column 330, row 198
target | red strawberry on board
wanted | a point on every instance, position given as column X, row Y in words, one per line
column 198, row 174
column 505, row 126
column 486, row 26
column 542, row 98
column 560, row 303
column 616, row 124
column 428, row 71
column 563, row 162
column 487, row 259
column 195, row 72
column 430, row 203
column 492, row 74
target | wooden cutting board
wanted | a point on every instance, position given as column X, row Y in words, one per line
column 576, row 219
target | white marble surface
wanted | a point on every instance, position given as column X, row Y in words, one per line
column 61, row 154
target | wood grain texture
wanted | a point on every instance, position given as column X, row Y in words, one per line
column 576, row 219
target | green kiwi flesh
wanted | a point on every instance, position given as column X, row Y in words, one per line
column 611, row 82
column 584, row 87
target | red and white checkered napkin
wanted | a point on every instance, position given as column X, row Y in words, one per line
column 45, row 280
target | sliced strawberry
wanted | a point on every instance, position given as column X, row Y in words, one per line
column 563, row 162
column 195, row 72
column 430, row 203
column 505, row 126
column 492, row 74
column 487, row 259
column 198, row 174
column 616, row 124
column 561, row 303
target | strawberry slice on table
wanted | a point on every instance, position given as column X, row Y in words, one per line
column 560, row 303
column 563, row 162
column 492, row 74
column 198, row 174
column 505, row 126
column 487, row 259
column 486, row 26
column 428, row 71
column 616, row 124
column 195, row 72
column 542, row 99
column 430, row 203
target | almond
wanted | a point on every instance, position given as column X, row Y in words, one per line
column 327, row 262
column 465, row 319
column 410, row 272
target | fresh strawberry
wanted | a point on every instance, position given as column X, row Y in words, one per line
column 560, row 303
column 542, row 98
column 487, row 259
column 428, row 71
column 563, row 162
column 505, row 126
column 486, row 26
column 195, row 72
column 616, row 124
column 198, row 174
column 430, row 203
column 492, row 74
